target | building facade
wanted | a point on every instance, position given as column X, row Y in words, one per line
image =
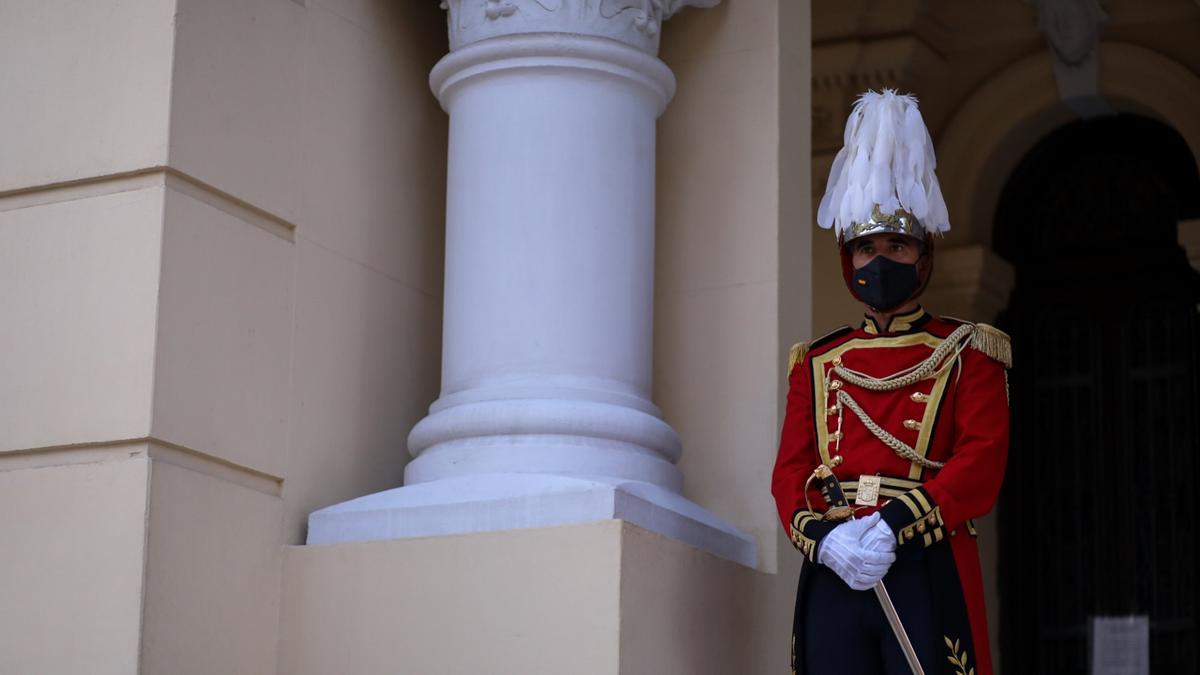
column 246, row 245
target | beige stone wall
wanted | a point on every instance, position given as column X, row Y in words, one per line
column 732, row 256
column 512, row 602
column 315, row 124
column 732, row 295
column 605, row 598
column 87, row 89
column 685, row 612
column 72, row 569
column 220, row 271
column 211, row 598
column 79, row 269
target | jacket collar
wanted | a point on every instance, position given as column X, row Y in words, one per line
column 900, row 323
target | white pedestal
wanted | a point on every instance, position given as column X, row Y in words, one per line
column 519, row 501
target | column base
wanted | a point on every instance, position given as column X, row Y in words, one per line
column 518, row 501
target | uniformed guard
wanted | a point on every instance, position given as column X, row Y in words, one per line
column 907, row 414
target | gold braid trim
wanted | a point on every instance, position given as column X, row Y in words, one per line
column 943, row 356
column 898, row 446
column 795, row 355
column 805, row 544
column 993, row 342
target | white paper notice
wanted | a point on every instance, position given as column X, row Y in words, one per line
column 1120, row 645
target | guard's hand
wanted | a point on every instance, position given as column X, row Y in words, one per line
column 880, row 538
column 842, row 551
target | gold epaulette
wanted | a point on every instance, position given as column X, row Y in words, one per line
column 993, row 342
column 795, row 355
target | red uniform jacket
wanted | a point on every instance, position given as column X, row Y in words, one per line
column 959, row 417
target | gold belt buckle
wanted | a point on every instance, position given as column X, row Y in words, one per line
column 868, row 491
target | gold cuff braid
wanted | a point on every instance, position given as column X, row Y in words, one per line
column 805, row 544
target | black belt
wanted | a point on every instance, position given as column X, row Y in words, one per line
column 891, row 487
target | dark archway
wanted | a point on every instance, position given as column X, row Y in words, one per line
column 1098, row 513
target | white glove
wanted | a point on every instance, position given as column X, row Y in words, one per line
column 843, row 552
column 880, row 538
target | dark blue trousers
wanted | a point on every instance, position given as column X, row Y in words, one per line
column 846, row 633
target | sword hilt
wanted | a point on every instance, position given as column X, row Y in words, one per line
column 835, row 499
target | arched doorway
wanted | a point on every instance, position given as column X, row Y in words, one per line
column 1097, row 515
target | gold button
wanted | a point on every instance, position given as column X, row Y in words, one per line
column 837, row 361
column 837, row 459
column 833, row 410
column 835, row 385
column 912, row 424
column 908, row 534
column 953, row 532
column 918, row 397
column 921, row 527
column 835, row 437
column 932, row 518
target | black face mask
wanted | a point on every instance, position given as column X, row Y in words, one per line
column 884, row 283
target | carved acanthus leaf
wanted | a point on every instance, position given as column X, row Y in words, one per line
column 636, row 23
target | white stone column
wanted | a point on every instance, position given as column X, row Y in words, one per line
column 545, row 415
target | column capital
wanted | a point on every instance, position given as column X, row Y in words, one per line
column 637, row 23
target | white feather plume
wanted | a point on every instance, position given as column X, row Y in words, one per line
column 888, row 161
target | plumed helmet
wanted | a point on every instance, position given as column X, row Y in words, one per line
column 883, row 179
